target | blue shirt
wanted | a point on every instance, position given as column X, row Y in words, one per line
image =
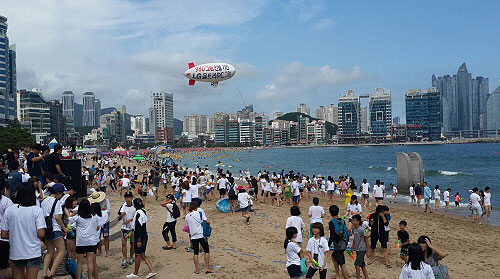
column 14, row 180
column 427, row 192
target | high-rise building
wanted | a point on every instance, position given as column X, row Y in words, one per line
column 304, row 109
column 365, row 128
column 68, row 104
column 89, row 111
column 320, row 113
column 349, row 121
column 494, row 110
column 380, row 114
column 194, row 125
column 221, row 128
column 138, row 125
column 57, row 122
column 247, row 131
column 8, row 76
column 112, row 126
column 97, row 108
column 33, row 113
column 396, row 120
column 161, row 117
column 423, row 114
column 332, row 114
column 463, row 100
column 277, row 114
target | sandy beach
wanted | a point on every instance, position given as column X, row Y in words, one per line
column 255, row 251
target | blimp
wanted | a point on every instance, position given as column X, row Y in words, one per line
column 209, row 72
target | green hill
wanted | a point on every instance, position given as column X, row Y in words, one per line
column 294, row 116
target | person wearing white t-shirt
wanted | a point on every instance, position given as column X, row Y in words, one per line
column 487, row 202
column 222, row 186
column 185, row 197
column 244, row 201
column 378, row 192
column 318, row 250
column 412, row 194
column 446, row 198
column 125, row 183
column 437, row 198
column 293, row 253
column 353, row 208
column 194, row 221
column 24, row 226
column 5, row 203
column 330, row 188
column 296, row 221
column 365, row 193
column 477, row 211
column 316, row 214
column 416, row 268
column 295, row 187
column 126, row 215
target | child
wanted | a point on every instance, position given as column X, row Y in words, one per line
column 316, row 213
column 194, row 221
column 317, row 250
column 339, row 236
column 457, row 199
column 437, row 198
column 348, row 196
column 412, row 194
column 186, row 197
column 404, row 241
column 487, row 202
column 296, row 221
column 293, row 253
column 170, row 222
column 126, row 213
column 140, row 240
column 353, row 208
column 394, row 193
column 446, row 199
column 244, row 201
column 359, row 244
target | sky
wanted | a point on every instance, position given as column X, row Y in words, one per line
column 285, row 52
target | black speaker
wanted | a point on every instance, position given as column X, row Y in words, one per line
column 73, row 169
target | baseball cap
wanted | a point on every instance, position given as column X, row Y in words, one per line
column 58, row 187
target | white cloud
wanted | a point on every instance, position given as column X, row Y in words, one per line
column 306, row 9
column 297, row 78
column 322, row 24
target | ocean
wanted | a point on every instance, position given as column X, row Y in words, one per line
column 457, row 166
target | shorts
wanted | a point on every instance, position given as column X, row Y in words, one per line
column 105, row 230
column 273, row 194
column 256, row 191
column 311, row 271
column 244, row 209
column 4, row 254
column 366, row 196
column 233, row 197
column 404, row 251
column 155, row 188
column 383, row 238
column 477, row 210
column 487, row 208
column 330, row 191
column 28, row 263
column 196, row 245
column 222, row 192
column 86, row 249
column 296, row 198
column 379, row 198
column 419, row 197
column 186, row 204
column 294, row 271
column 54, row 235
column 301, row 190
column 125, row 237
column 144, row 194
column 360, row 259
column 427, row 201
column 207, row 191
column 457, row 203
column 142, row 249
column 338, row 256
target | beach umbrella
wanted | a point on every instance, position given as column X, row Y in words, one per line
column 138, row 157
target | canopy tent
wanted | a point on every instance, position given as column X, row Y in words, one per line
column 138, row 157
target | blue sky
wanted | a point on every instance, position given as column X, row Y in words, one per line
column 285, row 52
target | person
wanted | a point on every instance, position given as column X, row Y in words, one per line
column 194, row 221
column 427, row 197
column 359, row 244
column 353, row 208
column 418, row 193
column 458, row 199
column 432, row 255
column 99, row 197
column 232, row 194
column 54, row 240
column 378, row 192
column 156, row 179
column 403, row 240
column 293, row 253
column 295, row 185
column 170, row 222
column 125, row 184
column 412, row 194
column 34, row 162
column 296, row 221
column 487, row 202
column 141, row 240
column 437, row 198
column 143, row 190
column 69, row 208
column 316, row 214
column 87, row 226
column 54, row 161
column 185, row 197
column 5, row 203
column 378, row 223
column 339, row 236
column 317, row 252
column 244, row 200
column 446, row 199
column 23, row 224
column 255, row 186
column 126, row 214
column 394, row 193
column 221, row 183
column 330, row 188
column 476, row 203
column 365, row 192
column 416, row 267
column 112, row 179
column 14, row 179
column 102, row 181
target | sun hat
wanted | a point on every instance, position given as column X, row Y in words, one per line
column 97, row 197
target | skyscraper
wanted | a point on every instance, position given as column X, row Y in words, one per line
column 494, row 110
column 304, row 109
column 33, row 113
column 97, row 109
column 161, row 117
column 68, row 104
column 423, row 114
column 349, row 117
column 89, row 119
column 138, row 124
column 8, row 76
column 463, row 100
column 365, row 129
column 332, row 114
column 57, row 122
column 320, row 113
column 380, row 114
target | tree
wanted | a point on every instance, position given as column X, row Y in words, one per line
column 14, row 137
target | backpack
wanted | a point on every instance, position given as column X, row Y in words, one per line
column 176, row 213
column 48, row 219
column 340, row 237
column 232, row 193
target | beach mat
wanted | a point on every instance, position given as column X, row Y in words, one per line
column 223, row 205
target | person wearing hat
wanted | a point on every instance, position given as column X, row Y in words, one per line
column 126, row 214
column 100, row 198
column 140, row 240
column 170, row 222
column 54, row 240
